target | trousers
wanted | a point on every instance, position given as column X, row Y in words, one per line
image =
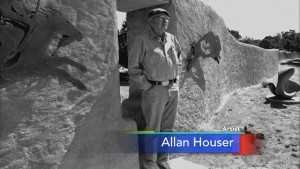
column 159, row 106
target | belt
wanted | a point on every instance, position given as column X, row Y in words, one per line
column 164, row 83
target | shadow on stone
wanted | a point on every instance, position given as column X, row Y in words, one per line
column 131, row 108
column 13, row 109
column 196, row 74
column 278, row 106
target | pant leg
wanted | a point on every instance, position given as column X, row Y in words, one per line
column 153, row 105
column 170, row 112
column 168, row 117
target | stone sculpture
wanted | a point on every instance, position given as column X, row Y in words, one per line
column 294, row 61
column 208, row 46
column 285, row 90
column 25, row 37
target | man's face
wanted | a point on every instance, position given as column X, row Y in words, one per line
column 160, row 22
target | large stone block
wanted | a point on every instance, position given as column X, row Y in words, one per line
column 241, row 65
column 47, row 123
column 202, row 88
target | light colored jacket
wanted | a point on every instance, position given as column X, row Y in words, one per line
column 151, row 58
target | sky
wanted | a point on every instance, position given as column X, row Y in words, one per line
column 253, row 18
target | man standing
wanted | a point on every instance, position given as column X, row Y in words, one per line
column 154, row 65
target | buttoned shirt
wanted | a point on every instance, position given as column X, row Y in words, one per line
column 154, row 58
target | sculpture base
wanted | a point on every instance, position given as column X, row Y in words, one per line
column 276, row 99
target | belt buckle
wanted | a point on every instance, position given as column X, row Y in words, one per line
column 165, row 83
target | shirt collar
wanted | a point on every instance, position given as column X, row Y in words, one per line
column 153, row 35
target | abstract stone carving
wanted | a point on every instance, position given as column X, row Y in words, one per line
column 25, row 37
column 208, row 46
column 285, row 89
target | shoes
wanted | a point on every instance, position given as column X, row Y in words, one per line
column 149, row 165
column 163, row 165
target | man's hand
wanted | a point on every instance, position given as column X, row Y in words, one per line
column 150, row 88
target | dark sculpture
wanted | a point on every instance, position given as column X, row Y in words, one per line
column 295, row 62
column 208, row 46
column 25, row 37
column 283, row 85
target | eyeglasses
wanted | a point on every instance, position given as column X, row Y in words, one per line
column 162, row 17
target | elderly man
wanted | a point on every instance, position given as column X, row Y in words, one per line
column 154, row 65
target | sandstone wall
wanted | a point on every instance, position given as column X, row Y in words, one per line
column 47, row 123
column 202, row 89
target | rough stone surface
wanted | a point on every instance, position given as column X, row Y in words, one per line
column 131, row 5
column 202, row 89
column 131, row 109
column 47, row 123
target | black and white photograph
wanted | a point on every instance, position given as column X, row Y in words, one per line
column 149, row 84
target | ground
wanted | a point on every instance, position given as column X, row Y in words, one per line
column 279, row 123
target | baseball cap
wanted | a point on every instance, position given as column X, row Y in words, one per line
column 158, row 11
